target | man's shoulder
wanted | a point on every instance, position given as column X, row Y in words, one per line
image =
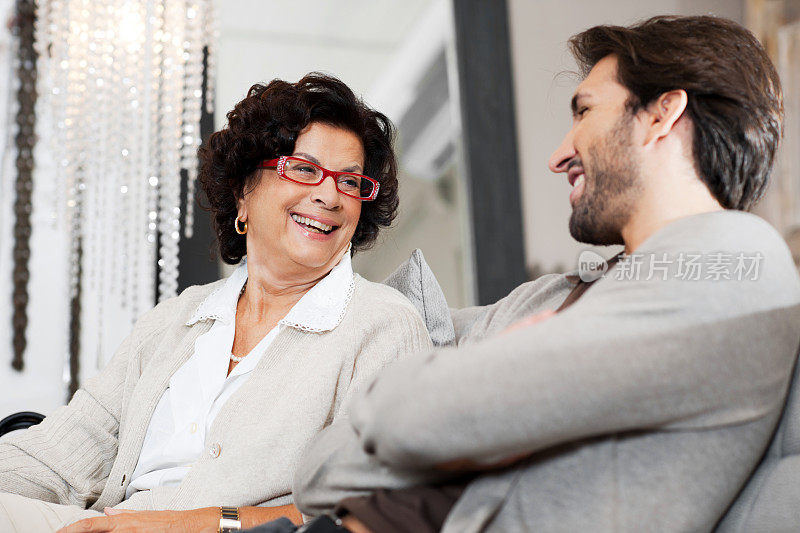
column 726, row 246
column 727, row 230
column 700, row 269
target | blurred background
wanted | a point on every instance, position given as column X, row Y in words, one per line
column 479, row 92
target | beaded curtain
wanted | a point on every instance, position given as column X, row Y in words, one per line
column 123, row 82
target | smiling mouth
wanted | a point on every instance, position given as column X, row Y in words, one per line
column 578, row 182
column 314, row 226
column 574, row 171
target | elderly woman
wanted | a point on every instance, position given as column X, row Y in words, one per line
column 214, row 395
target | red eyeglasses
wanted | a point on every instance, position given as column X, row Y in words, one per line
column 307, row 173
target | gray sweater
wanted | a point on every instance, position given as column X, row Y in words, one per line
column 643, row 407
column 84, row 453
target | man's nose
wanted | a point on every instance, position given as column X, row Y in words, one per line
column 559, row 160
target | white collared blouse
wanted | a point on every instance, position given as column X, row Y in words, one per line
column 176, row 435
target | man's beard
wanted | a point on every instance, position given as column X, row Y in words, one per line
column 608, row 197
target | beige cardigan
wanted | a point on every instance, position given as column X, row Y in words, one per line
column 84, row 453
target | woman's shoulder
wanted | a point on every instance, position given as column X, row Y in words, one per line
column 378, row 307
column 178, row 309
column 385, row 316
column 377, row 296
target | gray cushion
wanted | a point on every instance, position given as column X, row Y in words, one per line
column 770, row 501
column 415, row 280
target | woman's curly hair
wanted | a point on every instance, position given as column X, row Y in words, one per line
column 265, row 125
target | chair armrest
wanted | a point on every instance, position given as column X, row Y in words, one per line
column 21, row 420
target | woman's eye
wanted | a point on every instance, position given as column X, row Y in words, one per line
column 304, row 168
column 581, row 111
column 351, row 182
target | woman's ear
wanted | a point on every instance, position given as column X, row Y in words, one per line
column 664, row 113
column 241, row 209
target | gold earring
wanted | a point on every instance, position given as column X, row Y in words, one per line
column 236, row 225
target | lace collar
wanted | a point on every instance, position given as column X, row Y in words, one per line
column 320, row 309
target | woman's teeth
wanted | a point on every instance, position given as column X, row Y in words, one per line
column 313, row 225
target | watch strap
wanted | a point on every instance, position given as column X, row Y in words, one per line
column 229, row 520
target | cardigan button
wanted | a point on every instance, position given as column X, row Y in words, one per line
column 215, row 450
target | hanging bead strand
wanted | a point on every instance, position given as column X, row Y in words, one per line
column 25, row 141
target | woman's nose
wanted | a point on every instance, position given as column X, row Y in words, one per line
column 326, row 193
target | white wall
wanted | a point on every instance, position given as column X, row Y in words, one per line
column 539, row 33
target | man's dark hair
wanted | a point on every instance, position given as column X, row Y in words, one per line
column 265, row 125
column 735, row 100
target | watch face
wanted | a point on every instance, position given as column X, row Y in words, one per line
column 226, row 525
column 229, row 521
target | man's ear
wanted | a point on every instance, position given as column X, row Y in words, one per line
column 664, row 113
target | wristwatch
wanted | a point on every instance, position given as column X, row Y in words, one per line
column 229, row 520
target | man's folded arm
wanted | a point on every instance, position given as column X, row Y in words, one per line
column 621, row 359
column 334, row 467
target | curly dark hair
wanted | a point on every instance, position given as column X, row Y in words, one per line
column 265, row 125
column 735, row 99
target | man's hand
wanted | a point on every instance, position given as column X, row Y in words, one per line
column 204, row 520
column 529, row 321
column 355, row 525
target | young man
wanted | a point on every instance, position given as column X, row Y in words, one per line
column 645, row 403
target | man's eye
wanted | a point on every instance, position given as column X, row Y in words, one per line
column 581, row 111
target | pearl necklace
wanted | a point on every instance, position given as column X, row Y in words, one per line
column 235, row 358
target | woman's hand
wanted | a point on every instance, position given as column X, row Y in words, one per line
column 204, row 520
